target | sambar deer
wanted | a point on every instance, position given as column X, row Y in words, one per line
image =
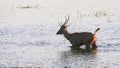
column 77, row 39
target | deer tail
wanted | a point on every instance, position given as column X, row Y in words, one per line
column 94, row 36
column 96, row 30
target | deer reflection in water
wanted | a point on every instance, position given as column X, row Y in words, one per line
column 79, row 50
column 76, row 57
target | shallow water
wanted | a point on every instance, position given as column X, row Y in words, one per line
column 28, row 39
column 33, row 46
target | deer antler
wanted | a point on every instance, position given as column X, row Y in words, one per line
column 66, row 20
column 60, row 23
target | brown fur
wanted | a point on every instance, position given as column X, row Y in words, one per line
column 78, row 39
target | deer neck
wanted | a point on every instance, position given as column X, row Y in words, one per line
column 66, row 34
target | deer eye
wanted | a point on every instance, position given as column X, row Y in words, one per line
column 63, row 27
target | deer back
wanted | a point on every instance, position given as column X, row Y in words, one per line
column 81, row 38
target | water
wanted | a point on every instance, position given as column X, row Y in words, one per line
column 28, row 38
column 39, row 46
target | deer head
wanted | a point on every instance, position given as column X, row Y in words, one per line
column 63, row 26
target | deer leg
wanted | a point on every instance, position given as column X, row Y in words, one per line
column 74, row 47
column 87, row 46
column 94, row 45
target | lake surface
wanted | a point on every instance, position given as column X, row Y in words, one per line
column 28, row 39
column 39, row 46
